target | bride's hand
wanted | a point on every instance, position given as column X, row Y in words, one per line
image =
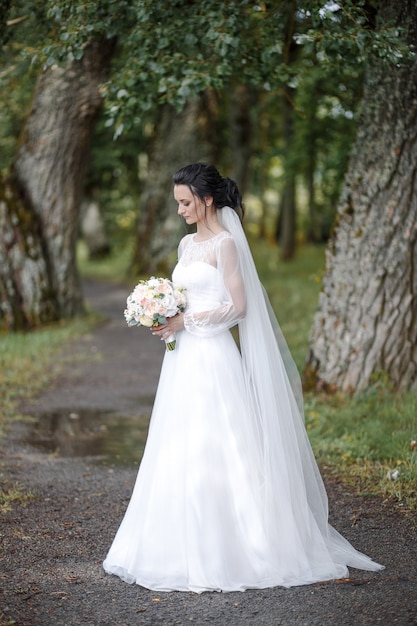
column 173, row 325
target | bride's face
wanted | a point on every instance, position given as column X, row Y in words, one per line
column 190, row 207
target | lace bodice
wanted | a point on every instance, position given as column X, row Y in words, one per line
column 210, row 272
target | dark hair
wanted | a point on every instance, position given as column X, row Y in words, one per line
column 204, row 180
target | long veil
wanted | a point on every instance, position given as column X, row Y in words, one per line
column 294, row 496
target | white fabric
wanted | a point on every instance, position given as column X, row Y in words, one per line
column 228, row 495
column 204, row 317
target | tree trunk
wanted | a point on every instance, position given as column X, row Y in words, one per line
column 240, row 128
column 27, row 296
column 178, row 140
column 286, row 226
column 48, row 176
column 4, row 14
column 93, row 230
column 261, row 158
column 366, row 323
column 314, row 230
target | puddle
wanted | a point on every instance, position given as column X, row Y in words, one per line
column 111, row 438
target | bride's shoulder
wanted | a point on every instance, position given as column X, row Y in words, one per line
column 225, row 245
column 187, row 238
column 185, row 241
column 225, row 239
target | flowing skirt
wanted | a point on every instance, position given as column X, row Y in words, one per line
column 200, row 516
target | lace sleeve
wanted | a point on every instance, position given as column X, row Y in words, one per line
column 233, row 306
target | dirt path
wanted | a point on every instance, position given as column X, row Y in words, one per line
column 81, row 462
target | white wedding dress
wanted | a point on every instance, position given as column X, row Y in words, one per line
column 225, row 500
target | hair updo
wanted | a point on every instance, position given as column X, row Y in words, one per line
column 204, row 180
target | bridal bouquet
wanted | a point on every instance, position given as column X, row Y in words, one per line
column 152, row 302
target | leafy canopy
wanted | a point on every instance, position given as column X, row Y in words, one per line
column 172, row 50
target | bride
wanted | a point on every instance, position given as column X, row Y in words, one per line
column 228, row 495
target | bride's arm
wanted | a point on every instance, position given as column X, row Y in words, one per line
column 233, row 309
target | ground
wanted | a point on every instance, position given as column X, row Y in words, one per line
column 79, row 457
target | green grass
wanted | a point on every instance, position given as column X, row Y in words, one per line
column 11, row 495
column 370, row 440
